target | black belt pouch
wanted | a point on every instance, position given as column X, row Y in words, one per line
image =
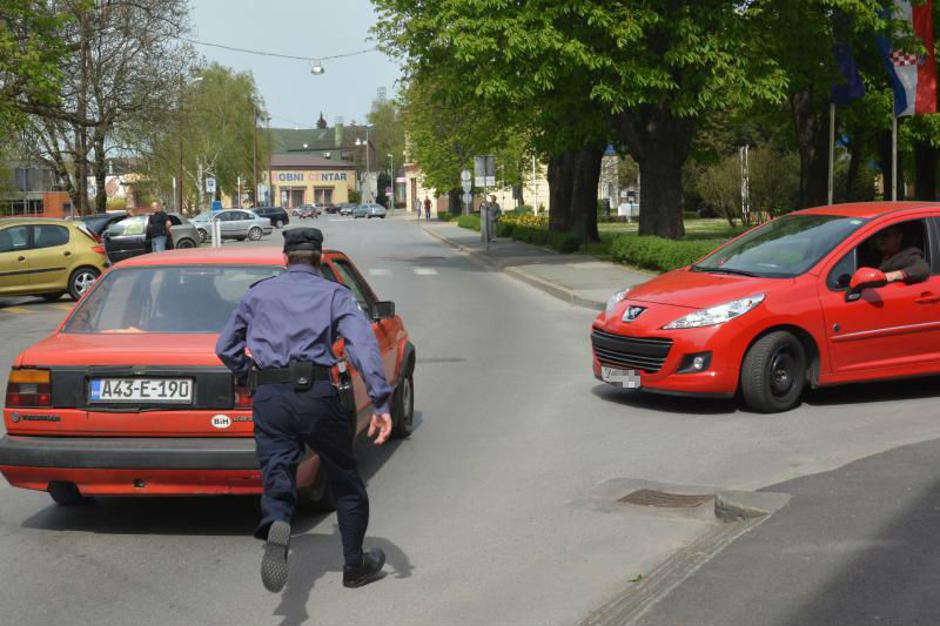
column 301, row 372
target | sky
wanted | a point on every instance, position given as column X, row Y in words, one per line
column 309, row 28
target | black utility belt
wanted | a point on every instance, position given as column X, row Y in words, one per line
column 300, row 373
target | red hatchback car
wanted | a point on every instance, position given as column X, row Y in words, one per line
column 183, row 427
column 796, row 302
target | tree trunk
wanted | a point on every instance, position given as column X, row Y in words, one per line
column 100, row 170
column 925, row 171
column 855, row 165
column 560, row 186
column 659, row 142
column 587, row 172
column 454, row 202
column 813, row 140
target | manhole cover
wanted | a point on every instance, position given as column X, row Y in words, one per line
column 662, row 499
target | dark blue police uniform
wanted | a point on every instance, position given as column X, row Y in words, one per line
column 296, row 316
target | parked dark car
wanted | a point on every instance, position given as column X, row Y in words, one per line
column 99, row 222
column 128, row 237
column 276, row 214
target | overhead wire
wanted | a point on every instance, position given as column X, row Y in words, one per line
column 278, row 54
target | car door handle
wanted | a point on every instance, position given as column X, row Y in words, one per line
column 927, row 298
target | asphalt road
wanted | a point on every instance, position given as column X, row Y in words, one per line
column 491, row 513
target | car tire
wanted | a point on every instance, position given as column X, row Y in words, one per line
column 773, row 373
column 81, row 280
column 403, row 408
column 318, row 497
column 182, row 244
column 52, row 297
column 239, row 239
column 276, row 223
column 67, row 494
column 254, row 233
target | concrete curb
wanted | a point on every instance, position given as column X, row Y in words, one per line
column 562, row 293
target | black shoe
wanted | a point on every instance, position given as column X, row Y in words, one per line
column 274, row 561
column 369, row 571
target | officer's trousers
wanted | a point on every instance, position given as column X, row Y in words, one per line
column 285, row 420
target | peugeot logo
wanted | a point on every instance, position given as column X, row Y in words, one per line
column 633, row 312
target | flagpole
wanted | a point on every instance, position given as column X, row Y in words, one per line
column 832, row 145
column 894, row 156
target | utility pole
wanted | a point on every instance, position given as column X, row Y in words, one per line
column 179, row 146
column 254, row 155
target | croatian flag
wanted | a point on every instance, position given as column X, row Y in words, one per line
column 913, row 77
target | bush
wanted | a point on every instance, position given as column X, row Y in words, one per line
column 469, row 221
column 563, row 242
column 444, row 216
column 656, row 253
column 355, row 196
column 503, row 229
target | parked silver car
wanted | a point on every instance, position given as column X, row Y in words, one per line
column 369, row 211
column 237, row 224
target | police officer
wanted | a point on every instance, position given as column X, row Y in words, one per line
column 288, row 324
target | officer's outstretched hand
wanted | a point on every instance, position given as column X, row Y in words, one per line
column 382, row 424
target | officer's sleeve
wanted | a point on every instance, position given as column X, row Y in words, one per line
column 230, row 348
column 362, row 348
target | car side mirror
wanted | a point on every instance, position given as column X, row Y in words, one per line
column 865, row 278
column 383, row 310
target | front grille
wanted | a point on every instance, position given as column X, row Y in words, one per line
column 638, row 353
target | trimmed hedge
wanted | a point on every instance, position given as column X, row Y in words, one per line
column 562, row 242
column 444, row 216
column 469, row 221
column 656, row 253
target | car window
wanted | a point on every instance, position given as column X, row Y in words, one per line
column 867, row 254
column 841, row 274
column 50, row 236
column 129, row 227
column 195, row 299
column 14, row 238
column 175, row 220
column 349, row 278
column 243, row 215
column 327, row 273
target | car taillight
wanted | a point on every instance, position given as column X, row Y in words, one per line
column 242, row 397
column 98, row 249
column 29, row 388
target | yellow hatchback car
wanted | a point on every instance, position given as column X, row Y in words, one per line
column 48, row 257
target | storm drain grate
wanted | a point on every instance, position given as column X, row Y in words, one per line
column 662, row 499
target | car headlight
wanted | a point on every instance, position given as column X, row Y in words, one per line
column 716, row 314
column 614, row 300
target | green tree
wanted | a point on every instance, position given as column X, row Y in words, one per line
column 388, row 130
column 214, row 121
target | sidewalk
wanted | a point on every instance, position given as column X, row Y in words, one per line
column 576, row 278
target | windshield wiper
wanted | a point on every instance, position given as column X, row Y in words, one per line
column 724, row 270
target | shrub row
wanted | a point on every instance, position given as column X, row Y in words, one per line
column 562, row 242
column 444, row 216
column 656, row 253
column 469, row 221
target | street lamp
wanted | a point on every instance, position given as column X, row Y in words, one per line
column 179, row 134
column 317, row 68
column 391, row 175
column 360, row 143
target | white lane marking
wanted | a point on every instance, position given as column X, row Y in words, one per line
column 379, row 271
column 425, row 271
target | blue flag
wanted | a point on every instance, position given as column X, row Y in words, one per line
column 851, row 87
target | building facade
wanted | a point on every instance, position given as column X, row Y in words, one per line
column 297, row 179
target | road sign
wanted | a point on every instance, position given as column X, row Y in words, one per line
column 210, row 185
column 466, row 181
column 484, row 171
column 468, row 199
column 216, row 206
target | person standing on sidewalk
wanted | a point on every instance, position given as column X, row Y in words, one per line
column 158, row 228
column 427, row 208
column 288, row 324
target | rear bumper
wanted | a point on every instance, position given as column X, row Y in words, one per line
column 218, row 453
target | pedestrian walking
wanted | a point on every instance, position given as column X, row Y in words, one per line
column 158, row 228
column 287, row 324
column 427, row 208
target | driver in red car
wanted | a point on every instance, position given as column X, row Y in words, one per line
column 900, row 263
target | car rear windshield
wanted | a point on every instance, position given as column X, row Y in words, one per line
column 784, row 248
column 170, row 299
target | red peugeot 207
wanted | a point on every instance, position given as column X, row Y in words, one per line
column 796, row 302
column 127, row 396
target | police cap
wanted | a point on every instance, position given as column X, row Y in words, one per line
column 303, row 239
